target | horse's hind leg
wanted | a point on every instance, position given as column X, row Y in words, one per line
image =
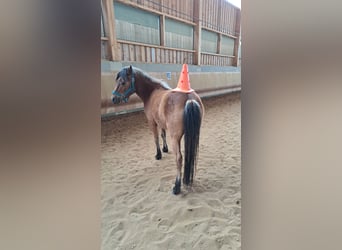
column 163, row 135
column 179, row 159
column 154, row 129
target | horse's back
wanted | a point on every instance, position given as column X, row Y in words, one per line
column 172, row 109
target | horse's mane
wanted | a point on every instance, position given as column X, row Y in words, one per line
column 151, row 80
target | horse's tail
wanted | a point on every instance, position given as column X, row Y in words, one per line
column 192, row 124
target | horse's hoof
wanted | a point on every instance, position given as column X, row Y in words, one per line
column 176, row 189
column 158, row 157
column 165, row 149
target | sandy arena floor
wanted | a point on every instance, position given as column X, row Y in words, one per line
column 139, row 210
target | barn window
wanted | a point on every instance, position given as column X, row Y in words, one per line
column 136, row 25
column 178, row 34
column 227, row 46
column 209, row 41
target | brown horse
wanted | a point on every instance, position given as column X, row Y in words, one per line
column 177, row 112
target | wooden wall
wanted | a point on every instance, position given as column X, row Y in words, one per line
column 216, row 17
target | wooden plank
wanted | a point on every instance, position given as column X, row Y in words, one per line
column 137, row 53
column 131, row 52
column 170, row 52
column 171, row 56
column 218, row 19
column 230, row 21
column 214, row 9
column 202, row 16
column 234, row 20
column 125, row 52
column 142, row 53
column 184, row 10
column 168, row 7
column 210, row 12
column 237, row 40
column 206, row 16
column 197, row 31
column 181, row 9
column 173, row 8
column 157, row 55
column 214, row 13
column 166, row 56
column 222, row 17
column 162, row 56
column 148, row 54
column 109, row 22
column 226, row 19
column 122, row 54
column 153, row 55
column 161, row 4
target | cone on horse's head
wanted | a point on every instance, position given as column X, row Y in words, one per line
column 184, row 81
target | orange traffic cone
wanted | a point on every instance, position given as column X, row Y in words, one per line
column 184, row 81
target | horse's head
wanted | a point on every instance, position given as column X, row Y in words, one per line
column 125, row 85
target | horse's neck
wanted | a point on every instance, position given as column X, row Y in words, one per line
column 145, row 87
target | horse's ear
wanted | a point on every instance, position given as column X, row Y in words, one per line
column 130, row 70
